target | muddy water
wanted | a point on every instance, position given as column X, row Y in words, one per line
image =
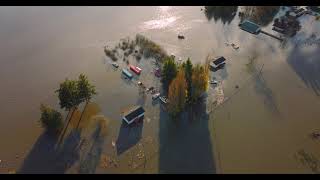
column 260, row 128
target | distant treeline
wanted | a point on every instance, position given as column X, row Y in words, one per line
column 225, row 13
column 262, row 15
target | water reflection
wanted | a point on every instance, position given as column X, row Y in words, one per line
column 225, row 13
column 262, row 15
column 164, row 19
column 185, row 145
column 305, row 62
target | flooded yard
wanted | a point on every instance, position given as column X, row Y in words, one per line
column 258, row 119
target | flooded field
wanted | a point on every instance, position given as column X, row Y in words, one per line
column 257, row 120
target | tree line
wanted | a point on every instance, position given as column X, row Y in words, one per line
column 185, row 84
column 71, row 94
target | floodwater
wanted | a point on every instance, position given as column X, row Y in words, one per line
column 263, row 126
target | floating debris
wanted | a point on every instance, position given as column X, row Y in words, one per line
column 235, row 46
column 148, row 120
column 181, row 37
column 308, row 160
column 113, row 144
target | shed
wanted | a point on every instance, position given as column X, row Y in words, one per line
column 250, row 27
column 134, row 114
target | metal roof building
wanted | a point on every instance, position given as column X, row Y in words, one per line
column 250, row 27
column 133, row 114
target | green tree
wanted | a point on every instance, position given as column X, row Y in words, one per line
column 85, row 90
column 169, row 72
column 177, row 94
column 50, row 119
column 69, row 99
column 188, row 76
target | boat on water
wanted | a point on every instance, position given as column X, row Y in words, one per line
column 135, row 69
column 150, row 89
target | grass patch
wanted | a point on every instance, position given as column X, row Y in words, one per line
column 111, row 54
column 140, row 47
column 150, row 49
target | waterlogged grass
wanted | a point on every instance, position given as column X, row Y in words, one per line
column 149, row 48
column 111, row 54
column 140, row 47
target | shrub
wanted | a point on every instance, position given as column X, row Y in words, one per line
column 50, row 119
column 110, row 54
column 149, row 48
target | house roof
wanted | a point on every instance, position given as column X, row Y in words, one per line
column 219, row 60
column 134, row 113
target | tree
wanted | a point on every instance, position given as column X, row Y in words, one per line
column 50, row 119
column 200, row 78
column 69, row 98
column 177, row 93
column 169, row 72
column 188, row 75
column 85, row 90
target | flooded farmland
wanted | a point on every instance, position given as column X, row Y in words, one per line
column 268, row 94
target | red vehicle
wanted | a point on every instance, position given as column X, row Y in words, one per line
column 135, row 69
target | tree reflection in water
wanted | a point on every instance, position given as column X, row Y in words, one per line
column 225, row 13
column 262, row 15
